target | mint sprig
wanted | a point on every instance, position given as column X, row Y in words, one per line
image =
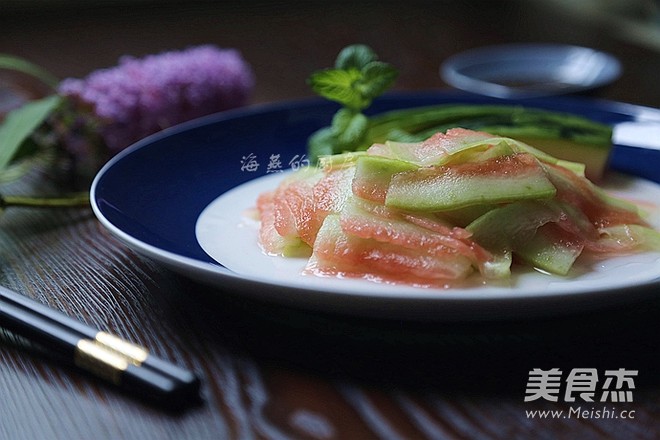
column 355, row 81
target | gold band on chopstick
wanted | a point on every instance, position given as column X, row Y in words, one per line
column 108, row 356
column 132, row 352
column 97, row 359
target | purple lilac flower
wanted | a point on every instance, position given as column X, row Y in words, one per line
column 139, row 97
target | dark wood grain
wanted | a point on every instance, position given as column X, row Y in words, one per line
column 276, row 372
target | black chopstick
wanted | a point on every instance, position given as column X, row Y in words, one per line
column 104, row 355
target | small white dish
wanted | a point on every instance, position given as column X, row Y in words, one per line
column 529, row 70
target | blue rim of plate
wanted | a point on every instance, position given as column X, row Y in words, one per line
column 150, row 195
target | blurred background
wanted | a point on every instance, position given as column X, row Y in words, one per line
column 285, row 41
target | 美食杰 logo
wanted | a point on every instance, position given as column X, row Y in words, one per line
column 583, row 383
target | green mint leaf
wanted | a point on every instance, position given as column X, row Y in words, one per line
column 11, row 62
column 20, row 123
column 377, row 77
column 350, row 128
column 356, row 80
column 339, row 86
column 355, row 57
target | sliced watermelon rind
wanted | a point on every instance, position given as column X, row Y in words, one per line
column 498, row 180
column 439, row 210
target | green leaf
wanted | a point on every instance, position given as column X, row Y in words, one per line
column 355, row 57
column 341, row 119
column 376, row 78
column 20, row 123
column 350, row 128
column 356, row 80
column 11, row 62
column 338, row 85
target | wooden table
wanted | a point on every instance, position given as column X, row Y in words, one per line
column 277, row 372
